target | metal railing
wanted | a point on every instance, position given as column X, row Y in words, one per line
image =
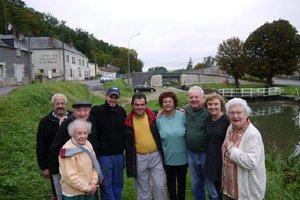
column 250, row 92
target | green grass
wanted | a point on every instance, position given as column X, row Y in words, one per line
column 21, row 112
column 291, row 90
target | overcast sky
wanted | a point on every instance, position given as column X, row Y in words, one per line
column 171, row 31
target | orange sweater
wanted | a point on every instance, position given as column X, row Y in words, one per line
column 77, row 172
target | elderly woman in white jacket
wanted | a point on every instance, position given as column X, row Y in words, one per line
column 243, row 170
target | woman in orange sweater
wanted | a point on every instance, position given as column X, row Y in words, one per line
column 78, row 165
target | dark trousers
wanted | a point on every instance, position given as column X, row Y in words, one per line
column 176, row 174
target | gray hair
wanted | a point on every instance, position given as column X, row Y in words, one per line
column 58, row 95
column 79, row 123
column 238, row 101
column 196, row 89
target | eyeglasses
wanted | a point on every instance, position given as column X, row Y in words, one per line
column 238, row 113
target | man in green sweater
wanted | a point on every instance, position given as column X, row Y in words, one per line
column 196, row 139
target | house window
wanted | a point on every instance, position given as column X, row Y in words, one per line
column 41, row 71
column 82, row 62
column 73, row 60
column 79, row 73
column 18, row 53
column 67, row 58
column 79, row 61
column 54, row 70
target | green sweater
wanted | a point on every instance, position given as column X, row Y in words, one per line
column 196, row 138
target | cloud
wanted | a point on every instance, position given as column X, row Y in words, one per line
column 172, row 31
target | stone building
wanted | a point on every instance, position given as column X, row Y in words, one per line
column 15, row 68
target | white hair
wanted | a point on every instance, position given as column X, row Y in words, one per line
column 238, row 101
column 58, row 95
column 196, row 89
column 79, row 123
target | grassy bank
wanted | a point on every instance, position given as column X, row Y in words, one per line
column 20, row 113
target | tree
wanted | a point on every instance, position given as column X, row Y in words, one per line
column 209, row 61
column 190, row 64
column 28, row 21
column 230, row 58
column 200, row 66
column 272, row 49
column 298, row 67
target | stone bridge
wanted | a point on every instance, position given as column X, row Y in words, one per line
column 187, row 77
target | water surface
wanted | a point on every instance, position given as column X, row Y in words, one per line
column 279, row 124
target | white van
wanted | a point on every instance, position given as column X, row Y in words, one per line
column 105, row 78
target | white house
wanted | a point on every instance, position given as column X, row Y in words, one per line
column 56, row 60
column 92, row 70
column 109, row 71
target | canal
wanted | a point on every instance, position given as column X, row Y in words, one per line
column 279, row 124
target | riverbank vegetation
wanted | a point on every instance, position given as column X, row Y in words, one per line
column 21, row 112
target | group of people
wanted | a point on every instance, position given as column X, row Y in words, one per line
column 83, row 150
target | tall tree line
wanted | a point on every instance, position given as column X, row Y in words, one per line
column 27, row 21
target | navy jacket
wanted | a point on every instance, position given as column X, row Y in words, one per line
column 110, row 129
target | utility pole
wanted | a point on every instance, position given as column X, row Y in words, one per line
column 128, row 58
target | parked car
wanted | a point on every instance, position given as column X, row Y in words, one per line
column 104, row 79
column 166, row 84
column 185, row 88
column 143, row 87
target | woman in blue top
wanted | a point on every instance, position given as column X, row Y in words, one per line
column 171, row 126
column 216, row 127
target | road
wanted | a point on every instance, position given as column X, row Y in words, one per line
column 97, row 87
column 6, row 90
column 94, row 85
column 281, row 81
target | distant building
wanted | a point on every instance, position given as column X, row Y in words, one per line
column 108, row 70
column 54, row 60
column 14, row 61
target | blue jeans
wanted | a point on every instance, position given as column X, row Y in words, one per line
column 214, row 189
column 112, row 169
column 196, row 162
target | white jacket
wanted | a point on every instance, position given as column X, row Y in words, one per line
column 250, row 160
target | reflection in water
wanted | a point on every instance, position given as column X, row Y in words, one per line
column 296, row 151
column 268, row 110
column 297, row 120
column 279, row 125
column 272, row 110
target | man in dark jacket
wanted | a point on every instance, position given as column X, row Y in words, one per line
column 110, row 119
column 46, row 132
column 81, row 111
column 143, row 147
